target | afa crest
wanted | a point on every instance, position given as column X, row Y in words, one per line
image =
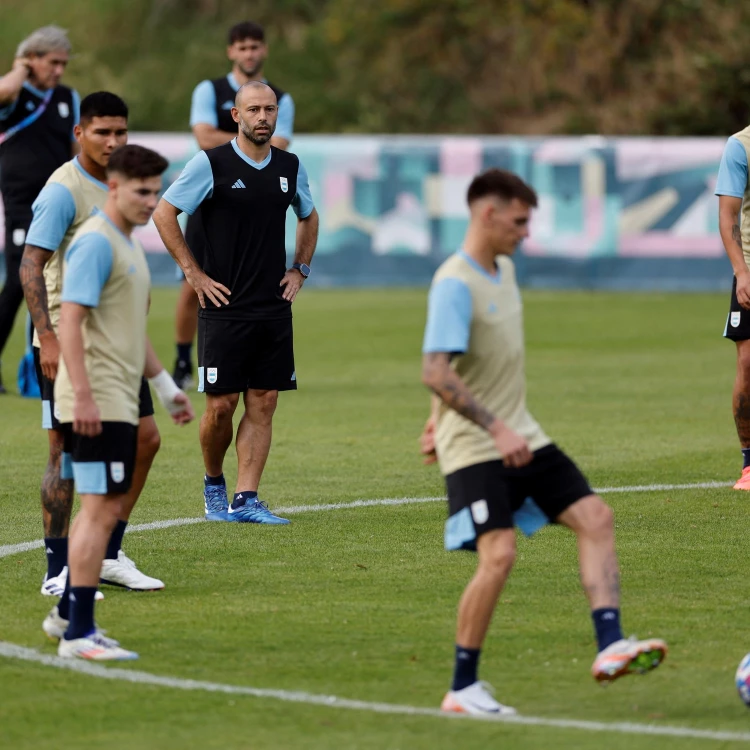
column 284, row 184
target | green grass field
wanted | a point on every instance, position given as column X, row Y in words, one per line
column 360, row 603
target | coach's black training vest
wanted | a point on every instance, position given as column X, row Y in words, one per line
column 225, row 95
column 30, row 156
column 244, row 224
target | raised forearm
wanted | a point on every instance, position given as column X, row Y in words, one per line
column 307, row 238
column 438, row 376
column 153, row 364
column 34, row 289
column 210, row 137
column 70, row 334
column 11, row 83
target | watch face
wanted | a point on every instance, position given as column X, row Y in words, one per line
column 304, row 269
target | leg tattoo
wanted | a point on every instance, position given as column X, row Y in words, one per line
column 742, row 418
column 57, row 498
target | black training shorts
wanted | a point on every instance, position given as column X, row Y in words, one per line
column 737, row 327
column 485, row 496
column 102, row 465
column 237, row 355
column 47, row 394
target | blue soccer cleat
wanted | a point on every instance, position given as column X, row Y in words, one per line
column 255, row 511
column 215, row 499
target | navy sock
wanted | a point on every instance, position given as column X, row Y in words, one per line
column 214, row 480
column 63, row 606
column 240, row 498
column 115, row 541
column 607, row 626
column 465, row 672
column 57, row 555
column 185, row 352
column 81, row 612
column 745, row 458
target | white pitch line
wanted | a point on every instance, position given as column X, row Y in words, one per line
column 13, row 549
column 13, row 651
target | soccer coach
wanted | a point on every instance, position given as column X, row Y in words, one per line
column 244, row 189
column 37, row 115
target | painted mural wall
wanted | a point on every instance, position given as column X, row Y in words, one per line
column 620, row 212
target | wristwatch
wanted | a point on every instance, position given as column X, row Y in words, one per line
column 303, row 268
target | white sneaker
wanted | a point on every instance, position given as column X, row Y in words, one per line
column 55, row 586
column 122, row 572
column 94, row 647
column 477, row 700
column 55, row 626
column 626, row 656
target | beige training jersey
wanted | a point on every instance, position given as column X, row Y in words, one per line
column 107, row 272
column 69, row 192
column 492, row 360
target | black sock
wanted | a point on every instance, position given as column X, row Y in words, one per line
column 607, row 626
column 63, row 606
column 185, row 352
column 81, row 612
column 115, row 541
column 240, row 498
column 745, row 458
column 57, row 555
column 467, row 662
column 214, row 480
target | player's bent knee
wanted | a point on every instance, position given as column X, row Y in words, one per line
column 595, row 517
column 221, row 407
column 149, row 439
column 497, row 552
column 263, row 402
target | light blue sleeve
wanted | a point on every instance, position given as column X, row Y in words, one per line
column 285, row 122
column 76, row 112
column 54, row 210
column 89, row 263
column 193, row 186
column 203, row 105
column 302, row 203
column 448, row 326
column 732, row 179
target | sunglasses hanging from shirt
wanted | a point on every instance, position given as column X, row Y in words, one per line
column 32, row 118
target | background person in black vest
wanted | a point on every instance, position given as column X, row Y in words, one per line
column 37, row 116
column 212, row 124
column 243, row 189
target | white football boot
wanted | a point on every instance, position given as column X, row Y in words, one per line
column 628, row 656
column 94, row 647
column 477, row 700
column 122, row 572
column 55, row 626
column 56, row 585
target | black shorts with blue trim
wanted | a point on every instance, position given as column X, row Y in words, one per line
column 490, row 496
column 47, row 394
column 102, row 465
column 239, row 355
column 737, row 327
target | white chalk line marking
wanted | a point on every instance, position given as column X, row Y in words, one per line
column 13, row 651
column 13, row 549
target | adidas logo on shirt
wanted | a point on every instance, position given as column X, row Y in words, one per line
column 238, row 184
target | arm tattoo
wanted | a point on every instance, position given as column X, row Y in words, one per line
column 737, row 234
column 34, row 288
column 453, row 391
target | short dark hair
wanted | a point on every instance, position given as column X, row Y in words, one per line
column 136, row 162
column 503, row 184
column 102, row 104
column 246, row 30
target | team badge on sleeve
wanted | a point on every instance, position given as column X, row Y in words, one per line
column 212, row 374
column 117, row 471
column 284, row 184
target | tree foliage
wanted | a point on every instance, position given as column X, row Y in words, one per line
column 426, row 66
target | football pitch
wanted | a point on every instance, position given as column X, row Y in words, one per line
column 338, row 631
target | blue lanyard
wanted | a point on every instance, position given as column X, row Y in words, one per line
column 29, row 119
